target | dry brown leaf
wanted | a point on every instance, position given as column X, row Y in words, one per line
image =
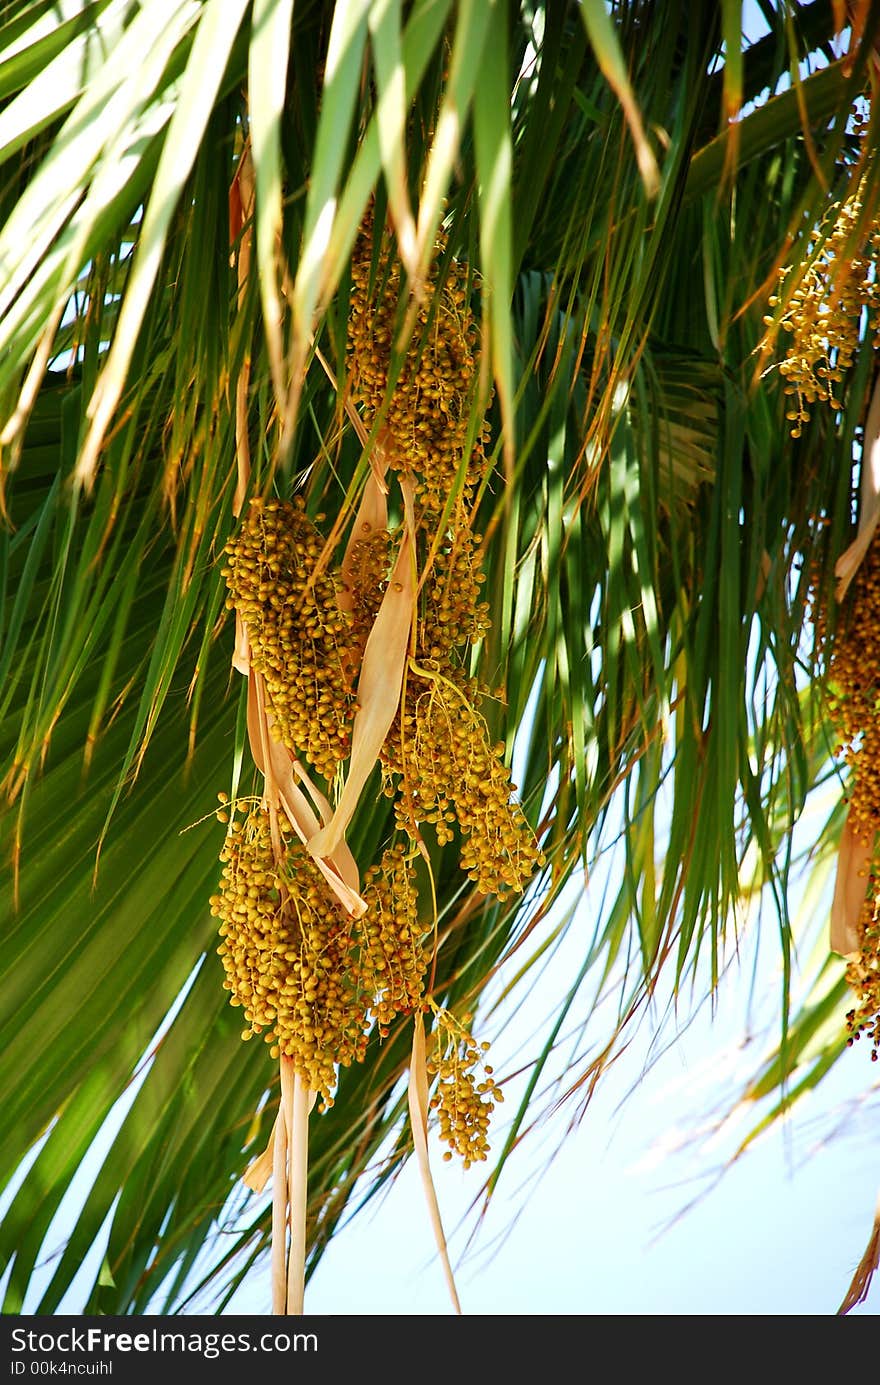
column 241, row 653
column 378, row 693
column 371, row 518
column 867, row 1267
column 418, row 1113
column 264, row 740
column 850, row 560
column 259, row 1170
column 850, row 886
column 297, row 1188
column 241, row 207
column 338, row 868
column 279, row 1216
column 319, row 800
column 253, row 726
column 343, row 859
column 303, row 818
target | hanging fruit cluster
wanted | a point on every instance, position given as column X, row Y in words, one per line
column 466, row 1091
column 863, row 976
column 297, row 633
column 310, row 977
column 824, row 315
column 854, row 677
column 315, row 963
column 440, row 764
column 424, row 399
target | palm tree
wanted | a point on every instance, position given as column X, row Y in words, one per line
column 553, row 274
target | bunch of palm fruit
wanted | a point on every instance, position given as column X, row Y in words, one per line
column 312, row 976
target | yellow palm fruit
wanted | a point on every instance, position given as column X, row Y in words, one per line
column 427, row 414
column 824, row 316
column 287, row 950
column 854, row 678
column 450, row 771
column 466, row 1092
column 395, row 945
column 854, row 684
column 452, row 615
column 299, row 636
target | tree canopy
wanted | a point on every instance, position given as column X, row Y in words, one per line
column 570, row 310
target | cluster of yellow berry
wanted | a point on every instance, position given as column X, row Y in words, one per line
column 854, row 702
column 309, row 977
column 423, row 399
column 863, row 976
column 451, row 612
column 854, row 693
column 438, row 761
column 287, row 951
column 452, row 772
column 314, row 980
column 824, row 313
column 466, row 1092
column 299, row 637
column 395, row 951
